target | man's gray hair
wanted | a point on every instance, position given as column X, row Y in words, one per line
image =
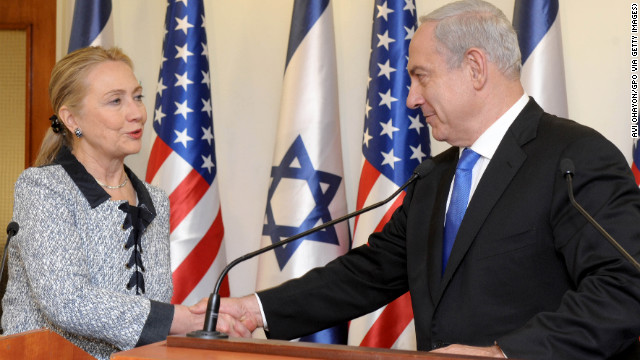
column 464, row 24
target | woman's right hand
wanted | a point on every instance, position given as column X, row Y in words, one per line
column 188, row 318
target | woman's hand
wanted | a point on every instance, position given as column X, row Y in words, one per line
column 188, row 318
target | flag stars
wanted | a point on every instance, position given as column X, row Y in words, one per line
column 386, row 70
column 410, row 32
column 388, row 128
column 183, row 1
column 366, row 138
column 162, row 60
column 207, row 163
column 182, row 137
column 183, row 52
column 206, row 79
column 389, row 159
column 206, row 106
column 417, row 153
column 159, row 115
column 409, row 6
column 384, row 11
column 384, row 40
column 183, row 80
column 386, row 99
column 160, row 88
column 183, row 24
column 367, row 108
column 182, row 109
column 415, row 123
column 207, row 134
column 205, row 50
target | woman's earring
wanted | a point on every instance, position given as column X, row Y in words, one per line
column 78, row 133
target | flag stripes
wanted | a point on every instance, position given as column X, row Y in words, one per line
column 182, row 159
column 636, row 161
column 307, row 188
column 92, row 24
column 395, row 141
column 537, row 24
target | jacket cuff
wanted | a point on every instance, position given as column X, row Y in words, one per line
column 158, row 323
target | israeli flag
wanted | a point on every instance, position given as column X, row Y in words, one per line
column 92, row 24
column 307, row 186
column 537, row 23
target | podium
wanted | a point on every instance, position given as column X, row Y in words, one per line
column 182, row 347
column 40, row 344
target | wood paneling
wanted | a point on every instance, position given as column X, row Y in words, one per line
column 38, row 17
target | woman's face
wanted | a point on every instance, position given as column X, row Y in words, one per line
column 112, row 114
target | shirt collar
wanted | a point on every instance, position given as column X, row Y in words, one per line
column 487, row 144
column 92, row 191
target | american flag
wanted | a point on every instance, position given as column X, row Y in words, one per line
column 395, row 141
column 635, row 167
column 183, row 159
column 307, row 187
column 92, row 24
column 537, row 23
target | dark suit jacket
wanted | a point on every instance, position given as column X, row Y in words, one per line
column 526, row 269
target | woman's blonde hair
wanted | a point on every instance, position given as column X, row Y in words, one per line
column 68, row 87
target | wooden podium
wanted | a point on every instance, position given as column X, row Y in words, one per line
column 182, row 347
column 40, row 344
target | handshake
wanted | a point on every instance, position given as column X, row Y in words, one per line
column 239, row 317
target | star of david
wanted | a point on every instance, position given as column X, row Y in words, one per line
column 297, row 165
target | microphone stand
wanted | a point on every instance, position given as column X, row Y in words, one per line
column 568, row 174
column 213, row 306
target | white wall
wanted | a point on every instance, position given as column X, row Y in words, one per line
column 247, row 46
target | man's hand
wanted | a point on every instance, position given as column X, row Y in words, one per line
column 239, row 317
column 491, row 351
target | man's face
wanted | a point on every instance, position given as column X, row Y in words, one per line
column 444, row 95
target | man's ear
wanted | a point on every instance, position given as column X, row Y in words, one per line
column 476, row 62
column 67, row 118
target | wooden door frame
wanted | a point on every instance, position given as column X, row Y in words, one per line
column 38, row 19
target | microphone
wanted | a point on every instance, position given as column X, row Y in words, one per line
column 213, row 306
column 12, row 230
column 567, row 168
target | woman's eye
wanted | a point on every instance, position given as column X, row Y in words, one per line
column 138, row 97
column 116, row 101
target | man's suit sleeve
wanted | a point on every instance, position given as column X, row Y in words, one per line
column 601, row 312
column 355, row 284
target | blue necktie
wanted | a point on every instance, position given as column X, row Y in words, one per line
column 459, row 201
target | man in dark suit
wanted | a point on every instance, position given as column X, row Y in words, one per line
column 509, row 267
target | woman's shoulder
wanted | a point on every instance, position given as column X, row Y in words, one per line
column 155, row 191
column 51, row 176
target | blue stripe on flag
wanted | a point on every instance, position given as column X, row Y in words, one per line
column 89, row 18
column 305, row 14
column 307, row 187
column 531, row 29
column 335, row 335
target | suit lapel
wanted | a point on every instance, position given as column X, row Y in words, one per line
column 504, row 165
column 436, row 224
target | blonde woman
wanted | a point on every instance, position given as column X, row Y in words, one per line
column 91, row 260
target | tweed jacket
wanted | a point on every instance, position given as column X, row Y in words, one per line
column 93, row 270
